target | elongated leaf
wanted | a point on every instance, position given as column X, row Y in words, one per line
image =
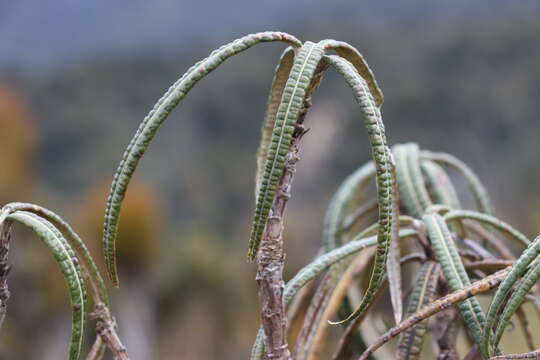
column 491, row 221
column 517, row 298
column 455, row 273
column 412, row 188
column 340, row 205
column 64, row 256
column 289, row 111
column 393, row 266
column 410, row 342
column 87, row 264
column 478, row 190
column 384, row 177
column 276, row 93
column 352, row 55
column 148, row 128
column 439, row 184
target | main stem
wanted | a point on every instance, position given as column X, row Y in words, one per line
column 271, row 261
column 271, row 257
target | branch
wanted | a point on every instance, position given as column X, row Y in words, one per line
column 106, row 329
column 5, row 237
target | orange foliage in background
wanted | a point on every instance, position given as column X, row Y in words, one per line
column 18, row 146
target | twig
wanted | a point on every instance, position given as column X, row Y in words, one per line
column 106, row 329
column 97, row 350
column 5, row 237
column 530, row 355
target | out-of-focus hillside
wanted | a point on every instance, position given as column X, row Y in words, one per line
column 466, row 81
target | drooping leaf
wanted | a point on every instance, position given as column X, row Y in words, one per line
column 492, row 221
column 66, row 259
column 455, row 273
column 274, row 99
column 148, row 128
column 439, row 184
column 90, row 270
column 412, row 188
column 517, row 298
column 384, row 176
column 289, row 111
column 351, row 54
column 478, row 190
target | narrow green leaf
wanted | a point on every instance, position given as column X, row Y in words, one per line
column 89, row 267
column 455, row 273
column 492, row 221
column 517, row 298
column 520, row 267
column 276, row 93
column 411, row 340
column 393, row 266
column 289, row 111
column 414, row 194
column 384, row 177
column 478, row 190
column 148, row 128
column 439, row 184
column 352, row 55
column 66, row 259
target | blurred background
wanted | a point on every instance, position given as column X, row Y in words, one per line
column 77, row 78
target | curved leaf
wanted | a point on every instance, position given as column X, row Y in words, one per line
column 289, row 111
column 148, row 128
column 488, row 220
column 439, row 184
column 478, row 190
column 90, row 270
column 352, row 55
column 412, row 188
column 455, row 273
column 276, row 92
column 64, row 256
column 384, row 176
column 516, row 299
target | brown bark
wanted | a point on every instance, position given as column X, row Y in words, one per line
column 5, row 237
column 271, row 261
column 271, row 257
column 106, row 328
